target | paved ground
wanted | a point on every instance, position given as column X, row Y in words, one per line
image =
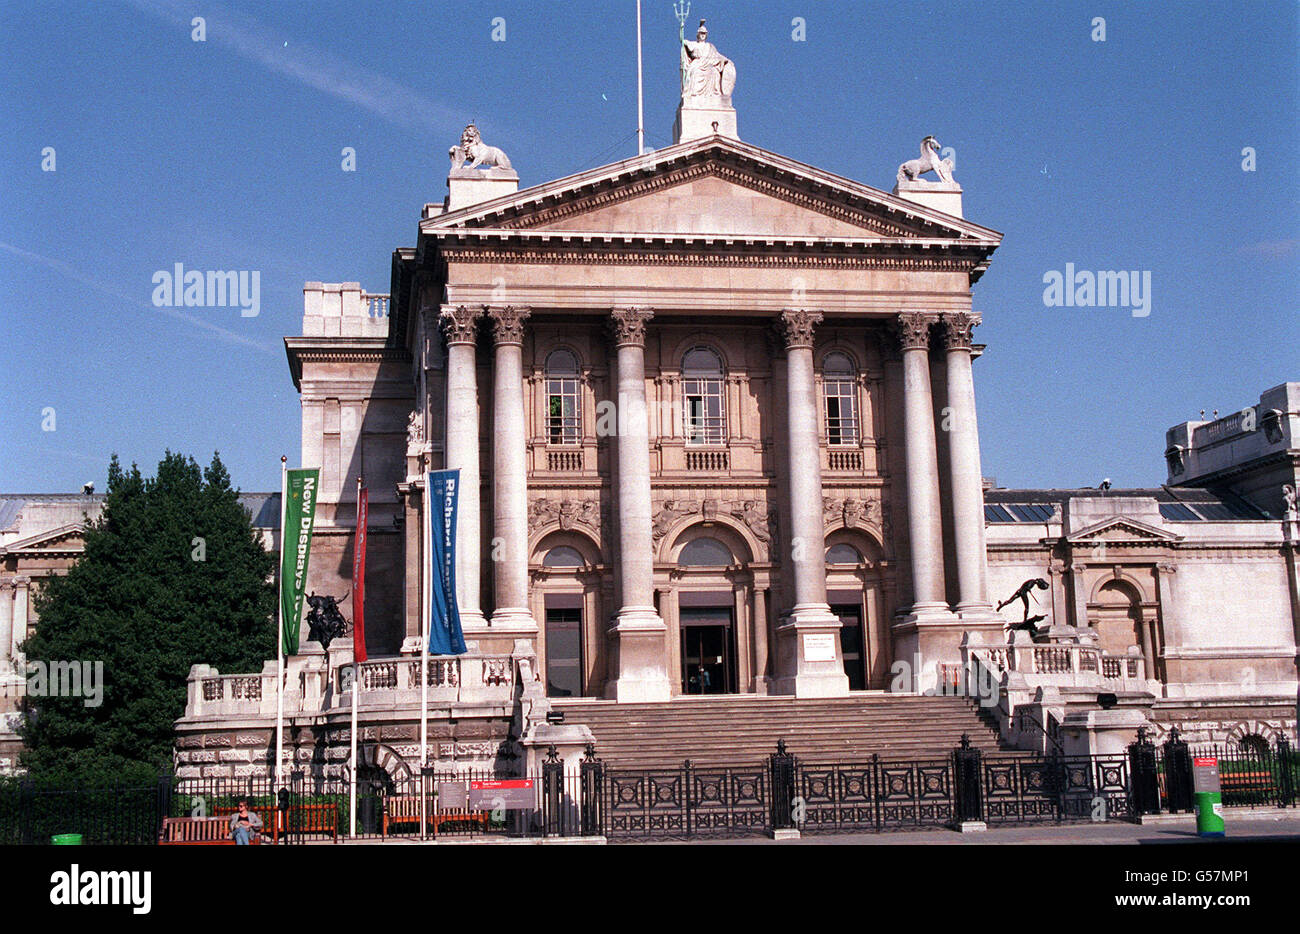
column 1239, row 828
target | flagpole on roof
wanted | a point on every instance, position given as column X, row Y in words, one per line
column 640, row 106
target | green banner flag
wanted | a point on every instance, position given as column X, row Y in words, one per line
column 295, row 547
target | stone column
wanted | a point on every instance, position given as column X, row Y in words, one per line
column 809, row 657
column 924, row 520
column 509, row 474
column 6, row 626
column 638, row 652
column 19, row 634
column 461, row 447
column 964, row 462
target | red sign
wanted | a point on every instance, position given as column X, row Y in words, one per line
column 1205, row 760
column 502, row 783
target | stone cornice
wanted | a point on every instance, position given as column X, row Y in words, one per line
column 302, row 350
column 657, row 249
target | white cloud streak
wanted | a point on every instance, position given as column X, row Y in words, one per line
column 302, row 62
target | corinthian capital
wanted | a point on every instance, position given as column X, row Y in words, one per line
column 628, row 325
column 508, row 323
column 913, row 329
column 958, row 328
column 460, row 323
column 796, row 327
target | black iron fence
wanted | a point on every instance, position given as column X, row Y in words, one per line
column 599, row 799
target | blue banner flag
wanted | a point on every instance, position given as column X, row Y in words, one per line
column 445, row 637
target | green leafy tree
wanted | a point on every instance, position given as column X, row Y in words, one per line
column 173, row 574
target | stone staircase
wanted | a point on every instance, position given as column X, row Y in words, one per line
column 740, row 730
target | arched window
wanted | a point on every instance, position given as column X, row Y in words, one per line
column 703, row 415
column 843, row 554
column 705, row 552
column 1254, row 745
column 562, row 556
column 840, row 394
column 563, row 403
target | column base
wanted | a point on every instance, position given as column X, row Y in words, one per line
column 511, row 620
column 639, row 657
column 929, row 635
column 809, row 659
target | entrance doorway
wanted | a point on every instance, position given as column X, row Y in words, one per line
column 852, row 644
column 708, row 651
column 563, row 652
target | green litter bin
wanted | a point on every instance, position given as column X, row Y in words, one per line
column 1209, row 797
column 66, row 839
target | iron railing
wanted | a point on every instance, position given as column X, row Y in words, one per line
column 595, row 798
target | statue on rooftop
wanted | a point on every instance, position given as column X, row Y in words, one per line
column 913, row 169
column 706, row 72
column 473, row 150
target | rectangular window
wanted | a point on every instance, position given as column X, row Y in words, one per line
column 841, row 411
column 703, row 415
column 563, row 423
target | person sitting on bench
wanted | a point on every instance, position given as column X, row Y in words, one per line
column 244, row 823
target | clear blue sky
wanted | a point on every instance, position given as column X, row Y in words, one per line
column 225, row 154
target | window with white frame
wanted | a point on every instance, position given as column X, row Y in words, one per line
column 563, row 402
column 840, row 397
column 703, row 412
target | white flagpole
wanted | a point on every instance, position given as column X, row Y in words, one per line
column 279, row 614
column 356, row 679
column 427, row 604
column 640, row 108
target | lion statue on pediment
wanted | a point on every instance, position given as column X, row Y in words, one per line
column 473, row 149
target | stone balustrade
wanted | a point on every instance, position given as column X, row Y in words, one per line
column 318, row 688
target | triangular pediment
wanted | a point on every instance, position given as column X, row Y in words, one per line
column 713, row 188
column 1122, row 530
column 65, row 539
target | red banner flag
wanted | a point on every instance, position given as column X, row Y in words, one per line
column 359, row 577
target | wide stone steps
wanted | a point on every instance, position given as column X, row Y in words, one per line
column 742, row 730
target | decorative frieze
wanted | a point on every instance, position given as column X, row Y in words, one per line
column 567, row 512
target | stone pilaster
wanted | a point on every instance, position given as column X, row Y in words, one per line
column 638, row 649
column 964, row 467
column 809, row 657
column 461, row 446
column 509, row 474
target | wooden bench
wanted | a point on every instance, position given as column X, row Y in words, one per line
column 405, row 809
column 1260, row 783
column 199, row 831
column 303, row 818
